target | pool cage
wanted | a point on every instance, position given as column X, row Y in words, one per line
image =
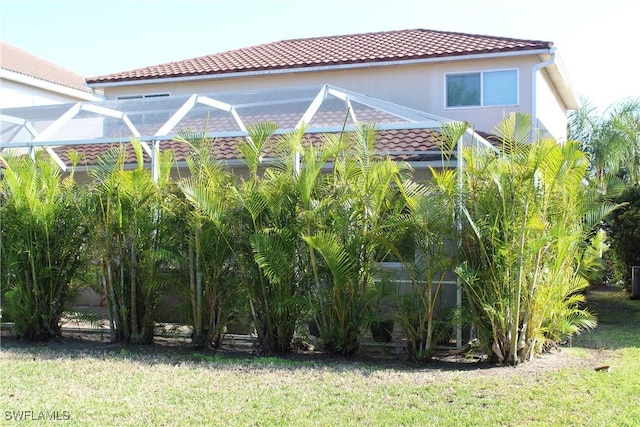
column 91, row 128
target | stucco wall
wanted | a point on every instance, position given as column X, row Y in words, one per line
column 419, row 86
column 551, row 119
column 14, row 94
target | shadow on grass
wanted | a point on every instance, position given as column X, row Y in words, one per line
column 76, row 348
column 618, row 319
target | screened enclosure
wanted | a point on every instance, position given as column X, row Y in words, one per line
column 91, row 127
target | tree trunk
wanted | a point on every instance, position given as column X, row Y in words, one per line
column 197, row 327
column 198, row 255
column 135, row 333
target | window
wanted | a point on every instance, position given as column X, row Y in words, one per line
column 150, row 95
column 484, row 88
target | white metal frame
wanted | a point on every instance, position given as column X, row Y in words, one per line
column 73, row 112
column 412, row 119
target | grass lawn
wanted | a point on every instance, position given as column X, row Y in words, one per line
column 110, row 384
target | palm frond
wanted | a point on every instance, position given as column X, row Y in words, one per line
column 514, row 132
column 335, row 255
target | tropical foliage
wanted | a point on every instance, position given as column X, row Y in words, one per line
column 259, row 224
column 212, row 294
column 42, row 242
column 623, row 227
column 433, row 255
column 270, row 254
column 306, row 236
column 528, row 219
column 355, row 228
column 612, row 140
column 130, row 240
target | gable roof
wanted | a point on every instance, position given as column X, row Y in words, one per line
column 334, row 50
column 19, row 61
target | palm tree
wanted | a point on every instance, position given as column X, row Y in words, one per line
column 129, row 238
column 528, row 219
column 611, row 139
column 264, row 239
column 213, row 292
column 433, row 232
column 43, row 242
column 353, row 230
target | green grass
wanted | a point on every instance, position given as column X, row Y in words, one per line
column 133, row 386
column 618, row 318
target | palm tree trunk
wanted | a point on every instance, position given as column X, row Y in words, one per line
column 198, row 255
column 197, row 326
column 112, row 307
column 135, row 333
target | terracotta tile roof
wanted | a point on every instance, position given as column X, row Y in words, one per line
column 333, row 50
column 400, row 144
column 19, row 61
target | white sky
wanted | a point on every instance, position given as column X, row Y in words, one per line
column 597, row 40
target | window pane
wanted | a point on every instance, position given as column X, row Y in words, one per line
column 500, row 88
column 463, row 90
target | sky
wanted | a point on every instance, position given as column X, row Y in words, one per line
column 596, row 40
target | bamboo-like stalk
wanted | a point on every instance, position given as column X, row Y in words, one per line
column 133, row 286
column 197, row 326
column 199, row 289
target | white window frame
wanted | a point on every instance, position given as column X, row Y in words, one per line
column 144, row 95
column 481, row 73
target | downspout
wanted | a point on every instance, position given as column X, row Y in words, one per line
column 534, row 103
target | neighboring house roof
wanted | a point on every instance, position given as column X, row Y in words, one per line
column 364, row 48
column 24, row 63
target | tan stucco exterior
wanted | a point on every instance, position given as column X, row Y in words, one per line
column 419, row 85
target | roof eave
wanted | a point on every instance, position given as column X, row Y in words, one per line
column 227, row 75
column 15, row 76
column 560, row 78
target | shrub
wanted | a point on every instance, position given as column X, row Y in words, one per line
column 623, row 227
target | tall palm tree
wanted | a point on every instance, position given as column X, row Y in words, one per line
column 129, row 239
column 528, row 218
column 42, row 244
column 611, row 138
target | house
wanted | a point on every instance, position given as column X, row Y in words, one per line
column 408, row 82
column 475, row 78
column 26, row 80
